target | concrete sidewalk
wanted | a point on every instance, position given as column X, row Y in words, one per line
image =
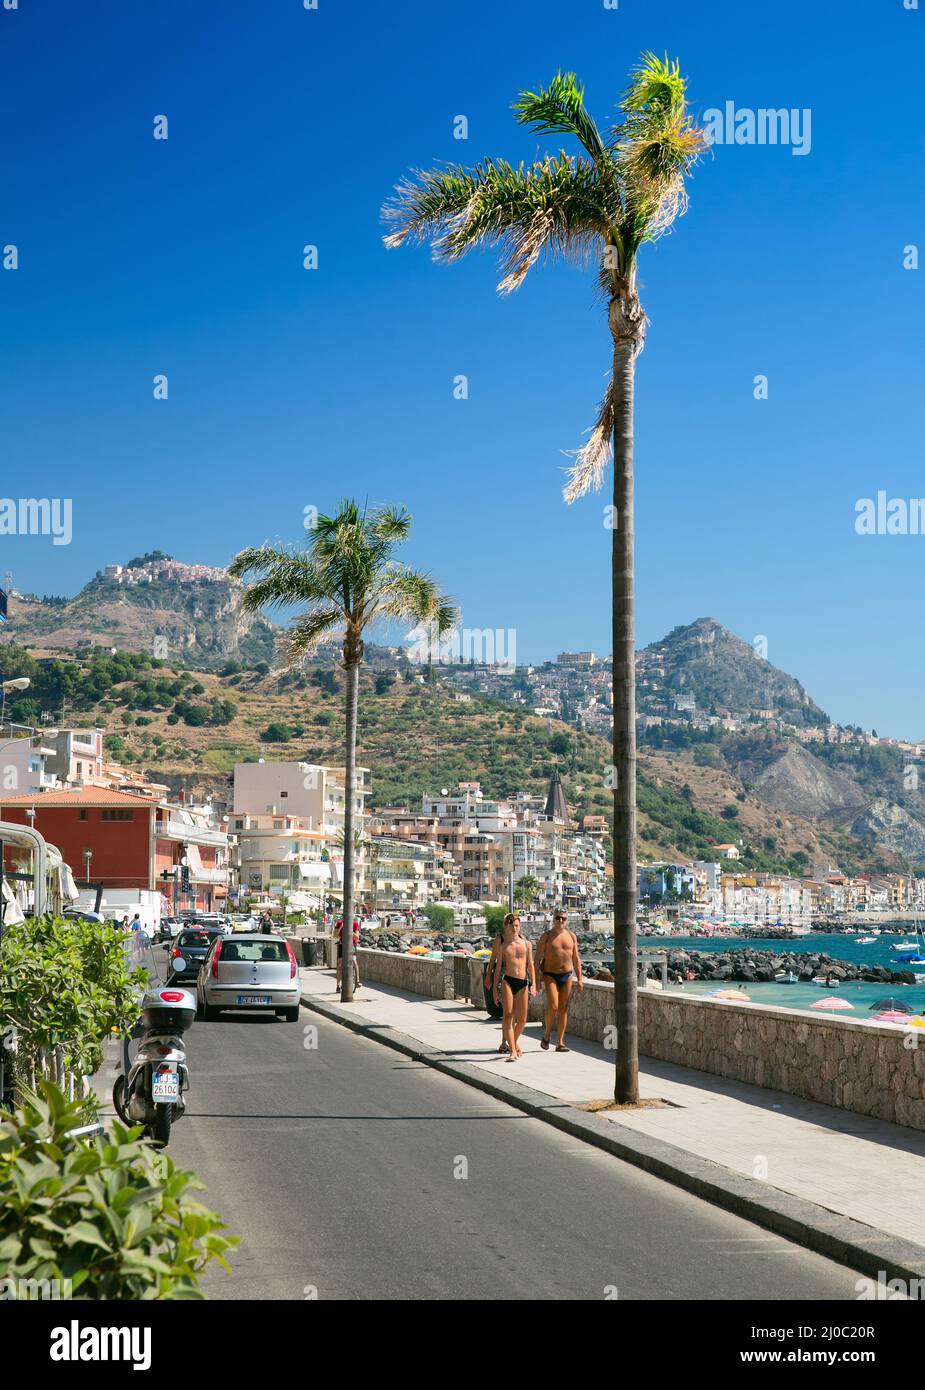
column 864, row 1169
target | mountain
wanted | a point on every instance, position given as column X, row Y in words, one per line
column 801, row 784
column 706, row 663
column 156, row 605
column 890, row 826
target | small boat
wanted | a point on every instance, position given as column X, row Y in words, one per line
column 865, row 940
column 786, row 977
column 911, row 951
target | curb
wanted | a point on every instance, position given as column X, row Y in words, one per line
column 828, row 1233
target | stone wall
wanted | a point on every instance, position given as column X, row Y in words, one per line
column 871, row 1069
column 413, row 973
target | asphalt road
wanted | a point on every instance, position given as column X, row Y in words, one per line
column 338, row 1166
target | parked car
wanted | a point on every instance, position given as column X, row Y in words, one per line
column 256, row 971
column 169, row 928
column 83, row 914
column 189, row 951
column 215, row 920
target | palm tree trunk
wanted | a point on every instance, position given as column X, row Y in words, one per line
column 626, row 325
column 350, row 758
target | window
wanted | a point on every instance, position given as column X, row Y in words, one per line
column 284, row 794
column 82, row 814
column 118, row 814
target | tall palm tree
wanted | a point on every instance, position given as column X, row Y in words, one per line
column 345, row 579
column 623, row 189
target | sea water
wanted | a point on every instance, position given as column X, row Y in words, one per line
column 860, row 994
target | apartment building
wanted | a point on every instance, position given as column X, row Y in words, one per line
column 401, row 873
column 280, row 854
column 316, row 796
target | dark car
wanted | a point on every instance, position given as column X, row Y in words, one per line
column 189, row 951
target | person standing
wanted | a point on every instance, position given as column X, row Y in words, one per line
column 515, row 984
column 559, row 962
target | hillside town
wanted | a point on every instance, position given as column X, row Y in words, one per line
column 279, row 837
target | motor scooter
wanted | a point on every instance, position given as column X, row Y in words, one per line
column 150, row 1089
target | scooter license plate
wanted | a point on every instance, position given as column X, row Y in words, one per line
column 166, row 1088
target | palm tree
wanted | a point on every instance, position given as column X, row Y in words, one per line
column 344, row 580
column 623, row 189
column 525, row 890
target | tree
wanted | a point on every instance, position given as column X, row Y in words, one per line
column 345, row 579
column 624, row 189
column 525, row 890
column 276, row 732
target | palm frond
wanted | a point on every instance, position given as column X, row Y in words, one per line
column 311, row 628
column 411, row 594
column 288, row 576
column 656, row 86
column 559, row 109
column 426, row 202
column 587, row 472
column 555, row 205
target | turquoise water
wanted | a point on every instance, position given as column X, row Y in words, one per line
column 802, row 996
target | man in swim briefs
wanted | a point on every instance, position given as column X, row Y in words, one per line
column 558, row 961
column 514, row 984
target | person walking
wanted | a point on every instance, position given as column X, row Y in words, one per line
column 515, row 984
column 559, row 963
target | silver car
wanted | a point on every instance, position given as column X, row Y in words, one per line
column 254, row 971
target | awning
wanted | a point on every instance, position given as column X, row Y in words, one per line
column 316, row 870
column 13, row 913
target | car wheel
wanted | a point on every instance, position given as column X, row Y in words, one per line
column 291, row 1015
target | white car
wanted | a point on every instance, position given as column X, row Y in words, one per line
column 256, row 971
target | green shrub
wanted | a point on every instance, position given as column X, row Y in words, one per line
column 494, row 918
column 112, row 1216
column 66, row 983
column 276, row 733
column 440, row 918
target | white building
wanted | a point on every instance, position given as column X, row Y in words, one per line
column 312, row 793
column 279, row 854
column 24, row 765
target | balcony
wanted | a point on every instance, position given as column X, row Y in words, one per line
column 182, row 832
column 209, row 876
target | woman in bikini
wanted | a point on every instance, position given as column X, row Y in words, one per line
column 515, row 984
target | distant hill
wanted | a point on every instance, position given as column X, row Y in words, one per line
column 186, row 613
column 707, row 663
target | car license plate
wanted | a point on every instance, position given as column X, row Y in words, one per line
column 253, row 998
column 166, row 1089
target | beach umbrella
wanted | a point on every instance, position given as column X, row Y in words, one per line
column 734, row 994
column 891, row 1006
column 916, row 1021
column 831, row 1004
column 891, row 1016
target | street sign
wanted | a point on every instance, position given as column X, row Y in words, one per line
column 507, row 856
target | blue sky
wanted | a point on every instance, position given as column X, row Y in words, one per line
column 289, row 387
